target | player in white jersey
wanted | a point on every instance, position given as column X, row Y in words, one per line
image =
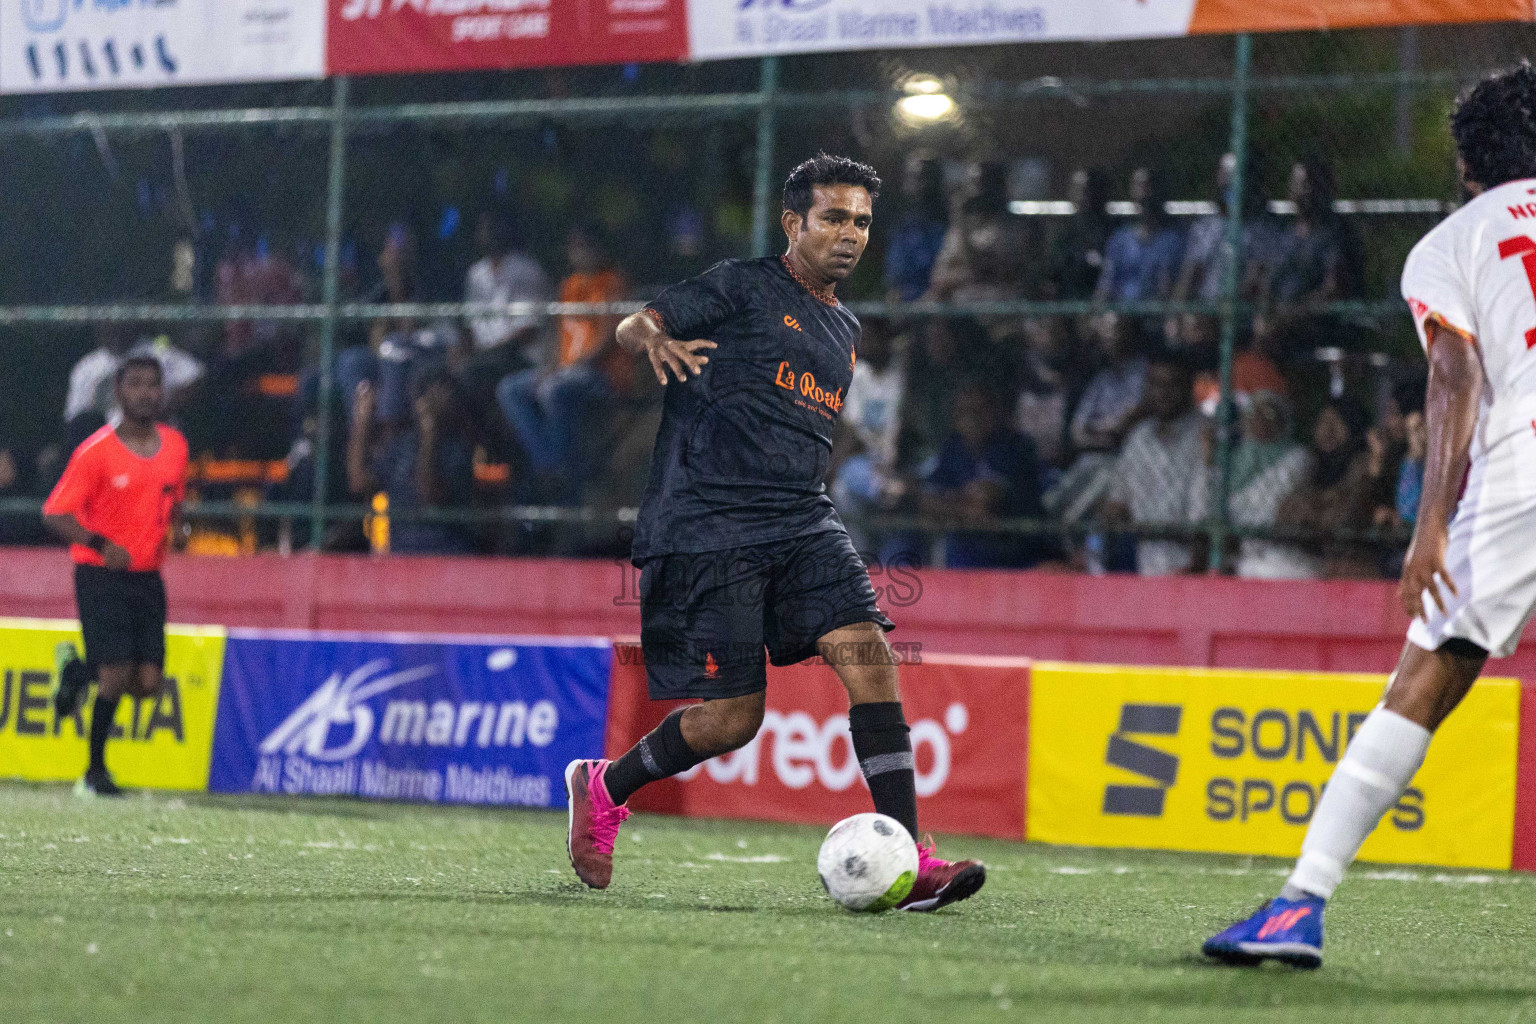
column 1469, row 581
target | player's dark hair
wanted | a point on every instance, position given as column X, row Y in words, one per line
column 1494, row 125
column 824, row 169
column 144, row 362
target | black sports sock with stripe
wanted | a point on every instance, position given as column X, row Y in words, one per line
column 101, row 728
column 882, row 743
column 660, row 754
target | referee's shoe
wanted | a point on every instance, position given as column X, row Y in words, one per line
column 97, row 782
column 71, row 679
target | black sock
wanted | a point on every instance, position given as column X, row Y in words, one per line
column 660, row 754
column 101, row 728
column 884, row 749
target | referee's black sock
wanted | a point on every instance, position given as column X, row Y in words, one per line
column 884, row 749
column 660, row 754
column 101, row 727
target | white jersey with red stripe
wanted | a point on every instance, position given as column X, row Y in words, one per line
column 1476, row 273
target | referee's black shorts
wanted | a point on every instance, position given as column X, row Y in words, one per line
column 706, row 619
column 122, row 616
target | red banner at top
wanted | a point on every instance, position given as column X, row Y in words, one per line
column 390, row 36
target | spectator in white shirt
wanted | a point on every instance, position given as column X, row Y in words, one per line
column 866, row 480
column 90, row 381
column 1154, row 477
column 500, row 343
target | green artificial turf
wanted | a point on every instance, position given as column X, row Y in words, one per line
column 161, row 908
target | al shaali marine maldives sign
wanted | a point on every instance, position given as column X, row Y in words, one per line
column 477, row 720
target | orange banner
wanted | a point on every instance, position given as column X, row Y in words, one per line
column 1290, row 15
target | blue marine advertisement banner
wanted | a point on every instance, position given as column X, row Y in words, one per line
column 476, row 720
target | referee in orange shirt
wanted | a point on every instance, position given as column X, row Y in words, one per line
column 115, row 504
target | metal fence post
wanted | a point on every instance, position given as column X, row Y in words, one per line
column 762, row 181
column 335, row 201
column 1233, row 244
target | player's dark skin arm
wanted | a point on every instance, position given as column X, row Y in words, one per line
column 1428, row 685
column 1450, row 407
column 69, row 528
column 639, row 333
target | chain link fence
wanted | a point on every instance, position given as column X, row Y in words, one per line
column 1226, row 384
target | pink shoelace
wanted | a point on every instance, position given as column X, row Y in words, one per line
column 926, row 855
column 606, row 816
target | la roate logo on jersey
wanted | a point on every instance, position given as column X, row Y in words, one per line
column 806, row 385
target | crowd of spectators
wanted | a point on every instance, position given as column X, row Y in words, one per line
column 1101, row 423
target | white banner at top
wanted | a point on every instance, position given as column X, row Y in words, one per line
column 748, row 28
column 64, row 45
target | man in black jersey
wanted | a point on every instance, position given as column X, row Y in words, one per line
column 738, row 546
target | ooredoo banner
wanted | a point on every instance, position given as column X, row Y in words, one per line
column 969, row 734
column 480, row 720
column 158, row 743
column 1234, row 761
column 390, row 36
column 63, row 45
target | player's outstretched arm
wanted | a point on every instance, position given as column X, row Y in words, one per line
column 641, row 333
column 1450, row 408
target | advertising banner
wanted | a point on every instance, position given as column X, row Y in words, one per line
column 481, row 720
column 1234, row 762
column 747, row 28
column 64, row 45
column 159, row 743
column 969, row 730
column 392, row 36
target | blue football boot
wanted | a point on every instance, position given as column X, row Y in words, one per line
column 1290, row 931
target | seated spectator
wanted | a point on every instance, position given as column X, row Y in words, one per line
column 985, row 471
column 90, row 401
column 948, row 352
column 426, row 463
column 1336, row 496
column 1319, row 259
column 1203, row 275
column 1253, row 370
column 398, row 347
column 1077, row 248
column 1107, row 410
column 920, row 228
column 252, row 273
column 865, row 473
column 1141, row 259
column 1154, row 476
column 1410, row 475
column 500, row 344
column 1041, row 410
column 90, row 380
column 1267, row 466
column 1387, row 443
column 548, row 405
column 984, row 253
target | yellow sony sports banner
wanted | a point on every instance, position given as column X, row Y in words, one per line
column 161, row 743
column 1234, row 761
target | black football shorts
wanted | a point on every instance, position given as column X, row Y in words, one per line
column 122, row 616
column 706, row 619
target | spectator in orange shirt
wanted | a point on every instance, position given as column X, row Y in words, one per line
column 548, row 404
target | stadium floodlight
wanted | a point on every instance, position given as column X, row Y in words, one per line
column 925, row 101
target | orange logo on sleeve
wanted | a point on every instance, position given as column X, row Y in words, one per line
column 711, row 667
column 790, row 321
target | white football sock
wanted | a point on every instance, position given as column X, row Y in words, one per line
column 1377, row 766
